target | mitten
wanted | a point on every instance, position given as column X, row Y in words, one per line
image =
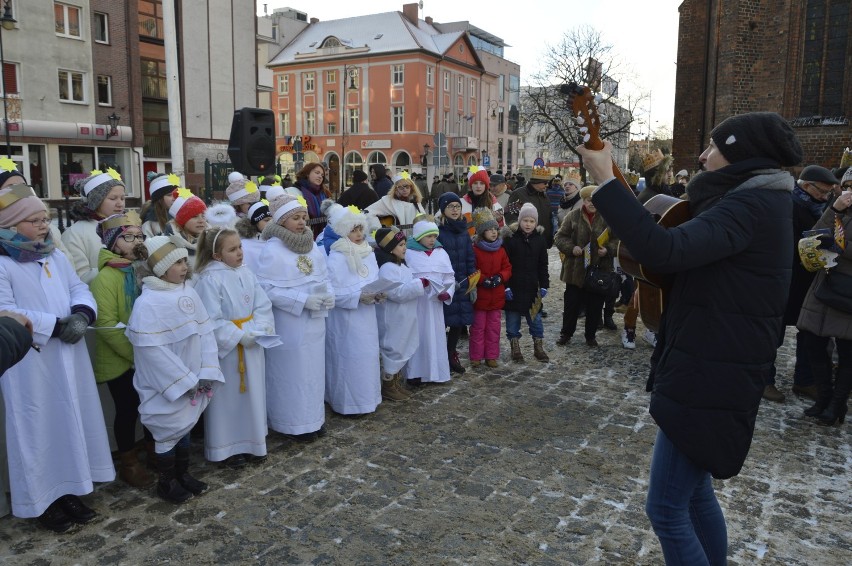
column 443, row 296
column 487, row 283
column 73, row 327
column 424, row 281
column 314, row 302
column 496, row 280
column 509, row 295
column 248, row 340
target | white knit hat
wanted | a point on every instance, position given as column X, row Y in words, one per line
column 344, row 219
column 163, row 252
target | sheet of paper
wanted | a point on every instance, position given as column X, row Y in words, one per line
column 117, row 326
column 380, row 285
column 268, row 341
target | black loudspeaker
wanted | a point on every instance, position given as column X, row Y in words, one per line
column 251, row 146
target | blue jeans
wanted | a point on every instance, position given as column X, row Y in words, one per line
column 513, row 325
column 182, row 443
column 683, row 509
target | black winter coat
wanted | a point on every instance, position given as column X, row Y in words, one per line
column 456, row 241
column 528, row 256
column 802, row 278
column 361, row 195
column 15, row 341
column 722, row 322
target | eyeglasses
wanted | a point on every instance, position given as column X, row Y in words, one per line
column 130, row 238
column 846, row 186
column 39, row 222
column 819, row 189
column 453, row 207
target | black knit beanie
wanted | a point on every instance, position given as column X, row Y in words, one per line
column 758, row 135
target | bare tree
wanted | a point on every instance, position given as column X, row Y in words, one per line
column 583, row 57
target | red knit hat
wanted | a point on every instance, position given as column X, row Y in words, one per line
column 186, row 206
column 480, row 174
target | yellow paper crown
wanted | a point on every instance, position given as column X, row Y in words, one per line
column 652, row 159
column 183, row 192
column 174, row 180
column 573, row 177
column 632, row 178
column 301, row 200
column 129, row 218
column 540, row 173
column 8, row 165
column 845, row 161
column 114, row 174
column 251, row 187
column 353, row 209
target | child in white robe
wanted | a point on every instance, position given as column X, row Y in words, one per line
column 177, row 363
column 428, row 260
column 235, row 423
column 397, row 317
column 56, row 438
column 352, row 370
column 250, row 228
column 294, row 274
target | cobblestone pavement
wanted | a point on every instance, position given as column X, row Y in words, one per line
column 523, row 464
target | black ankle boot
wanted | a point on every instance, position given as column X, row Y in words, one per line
column 189, row 483
column 167, row 485
column 833, row 414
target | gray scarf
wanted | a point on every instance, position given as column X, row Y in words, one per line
column 298, row 243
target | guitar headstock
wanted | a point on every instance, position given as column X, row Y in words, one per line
column 585, row 111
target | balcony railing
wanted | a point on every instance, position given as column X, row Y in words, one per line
column 157, row 146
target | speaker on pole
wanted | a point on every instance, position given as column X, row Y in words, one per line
column 251, row 147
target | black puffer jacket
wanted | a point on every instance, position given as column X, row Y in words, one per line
column 528, row 256
column 723, row 317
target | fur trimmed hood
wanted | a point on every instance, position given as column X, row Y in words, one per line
column 509, row 230
column 246, row 229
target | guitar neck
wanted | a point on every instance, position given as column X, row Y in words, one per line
column 317, row 220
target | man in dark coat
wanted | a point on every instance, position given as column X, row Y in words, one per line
column 722, row 320
column 361, row 194
column 535, row 193
column 16, row 337
column 810, row 197
column 382, row 182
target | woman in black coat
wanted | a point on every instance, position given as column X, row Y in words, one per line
column 722, row 321
column 454, row 237
column 16, row 337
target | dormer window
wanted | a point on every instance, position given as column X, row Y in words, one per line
column 330, row 42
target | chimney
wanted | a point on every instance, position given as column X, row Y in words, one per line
column 314, row 20
column 410, row 13
column 429, row 20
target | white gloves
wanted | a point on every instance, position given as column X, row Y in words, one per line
column 248, row 339
column 367, row 298
column 320, row 301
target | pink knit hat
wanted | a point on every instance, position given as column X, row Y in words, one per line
column 17, row 203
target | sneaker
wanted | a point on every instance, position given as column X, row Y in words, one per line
column 650, row 337
column 628, row 338
column 771, row 393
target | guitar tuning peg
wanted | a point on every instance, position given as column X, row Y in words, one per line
column 598, row 98
column 584, row 130
column 586, row 138
column 580, row 120
column 602, row 116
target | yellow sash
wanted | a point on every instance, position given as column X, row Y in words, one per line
column 241, row 353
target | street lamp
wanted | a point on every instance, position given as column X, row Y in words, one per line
column 492, row 105
column 113, row 125
column 7, row 22
column 350, row 73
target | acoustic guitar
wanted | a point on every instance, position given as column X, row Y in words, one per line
column 668, row 211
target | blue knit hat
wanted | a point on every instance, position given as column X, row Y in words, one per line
column 446, row 199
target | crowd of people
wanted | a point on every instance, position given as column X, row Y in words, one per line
column 243, row 311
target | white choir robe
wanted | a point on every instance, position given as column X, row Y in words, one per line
column 251, row 252
column 235, row 422
column 295, row 370
column 430, row 361
column 353, row 381
column 56, row 438
column 399, row 336
column 174, row 349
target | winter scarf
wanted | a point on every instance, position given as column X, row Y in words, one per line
column 313, row 196
column 22, row 249
column 355, row 254
column 455, row 226
column 297, row 243
column 417, row 246
column 816, row 207
column 489, row 246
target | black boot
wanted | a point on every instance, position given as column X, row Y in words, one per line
column 835, row 412
column 455, row 363
column 167, row 485
column 182, row 472
column 821, row 370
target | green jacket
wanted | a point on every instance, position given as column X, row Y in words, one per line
column 113, row 352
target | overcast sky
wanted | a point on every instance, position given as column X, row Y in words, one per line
column 644, row 33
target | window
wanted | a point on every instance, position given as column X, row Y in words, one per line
column 155, row 126
column 151, row 18
column 71, row 86
column 460, row 85
column 472, row 88
column 397, row 74
column 430, row 76
column 283, row 84
column 500, row 116
column 310, row 122
column 309, row 82
column 10, row 77
column 331, row 101
column 154, row 79
column 354, row 121
column 67, row 20
column 275, row 32
column 284, row 124
column 332, row 128
column 104, row 90
column 826, row 35
column 101, row 28
column 331, row 77
column 398, row 115
column 446, row 122
column 447, row 81
column 430, row 120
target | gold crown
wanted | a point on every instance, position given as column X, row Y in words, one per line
column 846, row 160
column 541, row 174
column 573, row 177
column 632, row 178
column 129, row 218
column 652, row 159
